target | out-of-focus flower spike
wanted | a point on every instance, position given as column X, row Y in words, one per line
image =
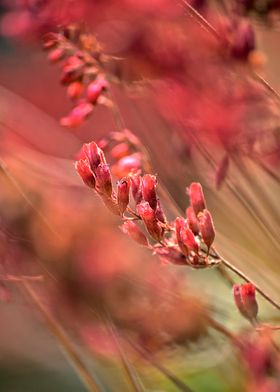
column 196, row 196
column 120, row 150
column 131, row 229
column 222, row 171
column 149, row 190
column 78, row 115
column 123, row 194
column 83, row 169
column 192, row 220
column 206, row 228
column 147, row 214
column 103, row 180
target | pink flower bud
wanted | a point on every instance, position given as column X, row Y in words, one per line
column 131, row 229
column 123, row 194
column 148, row 216
column 94, row 155
column 120, row 150
column 83, row 169
column 245, row 300
column 248, row 297
column 192, row 220
column 136, row 187
column 72, row 70
column 103, row 180
column 206, row 228
column 159, row 212
column 75, row 90
column 149, row 190
column 78, row 115
column 196, row 196
column 188, row 239
column 179, row 225
column 95, row 89
column 56, row 55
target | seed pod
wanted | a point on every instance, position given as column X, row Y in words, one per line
column 131, row 229
column 123, row 194
column 148, row 216
column 83, row 169
column 149, row 190
column 192, row 220
column 206, row 228
column 103, row 180
column 196, row 196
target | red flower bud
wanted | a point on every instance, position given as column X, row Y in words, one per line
column 56, row 55
column 77, row 115
column 206, row 228
column 136, row 187
column 95, row 89
column 123, row 194
column 94, row 155
column 75, row 90
column 149, row 190
column 196, row 196
column 83, row 169
column 103, row 180
column 188, row 239
column 148, row 216
column 192, row 220
column 131, row 229
column 179, row 225
column 245, row 300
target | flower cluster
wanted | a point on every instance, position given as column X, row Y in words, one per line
column 82, row 63
column 186, row 241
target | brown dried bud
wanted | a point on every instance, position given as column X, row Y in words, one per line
column 149, row 190
column 206, row 228
column 131, row 229
column 123, row 194
column 83, row 169
column 196, row 196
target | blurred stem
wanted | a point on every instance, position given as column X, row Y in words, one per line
column 149, row 358
column 131, row 375
column 241, row 274
column 64, row 341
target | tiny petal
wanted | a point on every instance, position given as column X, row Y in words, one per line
column 196, row 196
